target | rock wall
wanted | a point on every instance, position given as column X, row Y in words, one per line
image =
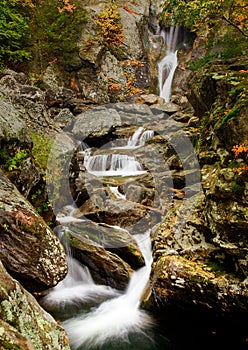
column 207, row 255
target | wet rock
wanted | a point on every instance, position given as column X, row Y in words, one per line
column 99, row 208
column 105, row 267
column 111, row 238
column 180, row 281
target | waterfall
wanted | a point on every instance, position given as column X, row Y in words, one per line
column 113, row 165
column 118, row 317
column 78, row 286
column 116, row 192
column 139, row 137
column 168, row 65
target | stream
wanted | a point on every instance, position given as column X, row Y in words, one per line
column 97, row 316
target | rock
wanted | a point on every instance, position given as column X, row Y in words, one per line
column 16, row 149
column 95, row 123
column 105, row 267
column 27, row 178
column 111, row 238
column 30, row 251
column 20, row 78
column 168, row 107
column 12, row 126
column 111, row 68
column 150, row 99
column 27, row 100
column 24, row 324
column 180, row 281
column 99, row 208
column 200, row 248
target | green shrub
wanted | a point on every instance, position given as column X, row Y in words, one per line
column 14, row 32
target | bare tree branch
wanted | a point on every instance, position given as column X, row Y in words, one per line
column 235, row 26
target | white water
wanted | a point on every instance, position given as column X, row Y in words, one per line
column 118, row 317
column 113, row 165
column 168, row 65
column 66, row 216
column 139, row 137
column 116, row 192
column 78, row 287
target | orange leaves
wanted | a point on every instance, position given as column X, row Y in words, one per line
column 67, row 6
column 238, row 149
column 242, row 168
column 126, row 8
column 241, row 150
column 114, row 87
column 227, row 111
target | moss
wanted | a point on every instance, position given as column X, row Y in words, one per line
column 8, row 345
column 41, row 149
column 231, row 115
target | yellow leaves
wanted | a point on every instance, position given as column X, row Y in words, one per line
column 109, row 21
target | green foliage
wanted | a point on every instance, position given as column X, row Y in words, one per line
column 14, row 32
column 193, row 14
column 195, row 65
column 14, row 163
column 44, row 31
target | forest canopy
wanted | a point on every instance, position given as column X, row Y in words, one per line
column 193, row 13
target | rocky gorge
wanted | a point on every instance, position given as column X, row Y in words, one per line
column 191, row 192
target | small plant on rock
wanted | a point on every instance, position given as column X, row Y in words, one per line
column 109, row 21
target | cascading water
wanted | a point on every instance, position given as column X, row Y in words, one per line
column 168, row 65
column 118, row 317
column 113, row 165
column 139, row 137
column 78, row 287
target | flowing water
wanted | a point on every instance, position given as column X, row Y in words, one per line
column 139, row 137
column 113, row 165
column 96, row 316
column 168, row 65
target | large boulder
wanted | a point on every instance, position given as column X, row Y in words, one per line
column 30, row 251
column 105, row 267
column 24, row 325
